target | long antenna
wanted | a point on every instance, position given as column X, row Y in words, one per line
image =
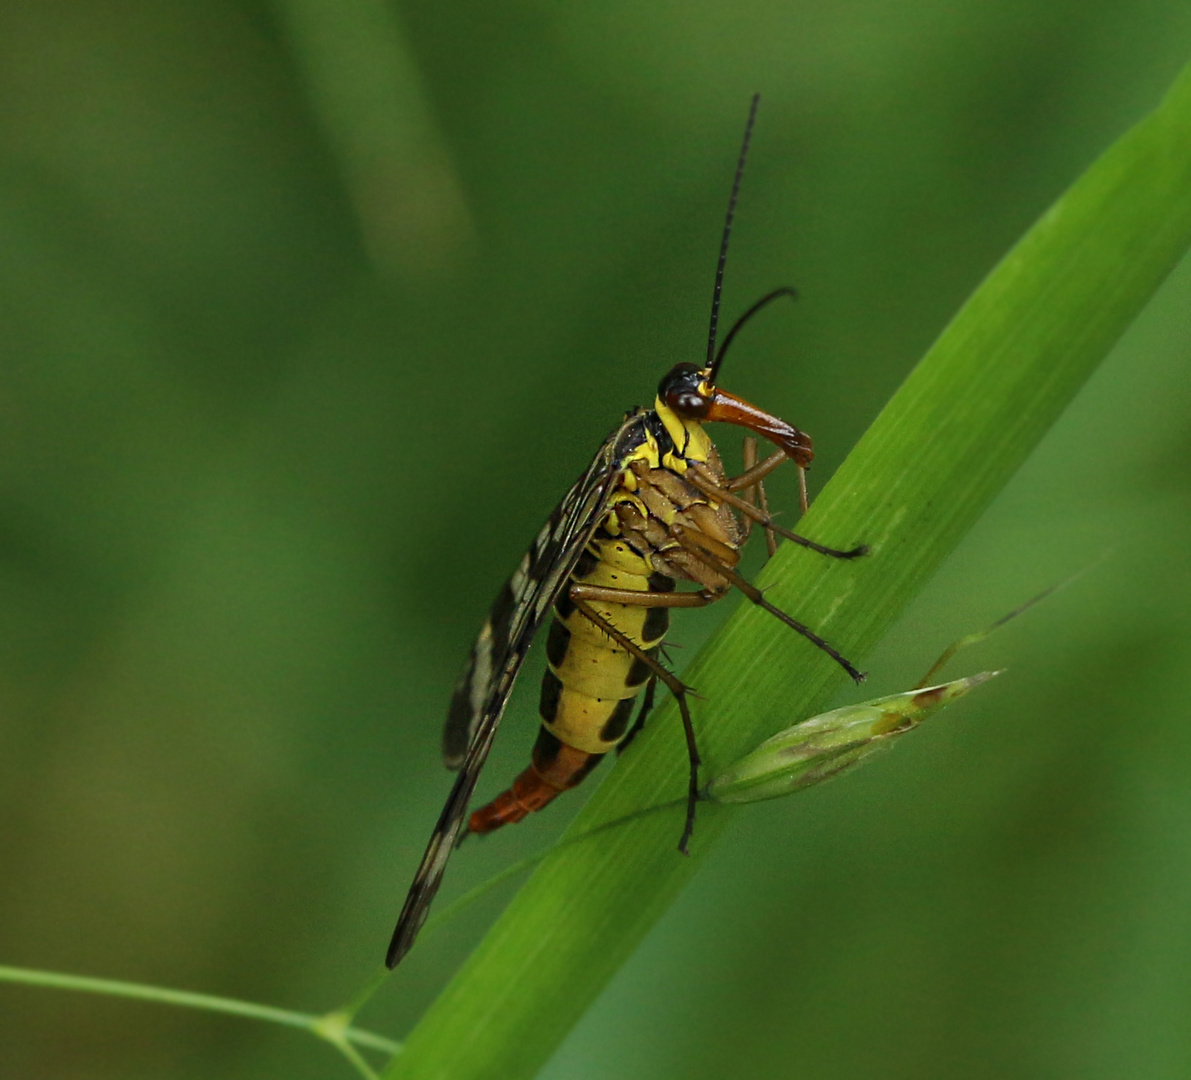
column 719, row 270
column 785, row 290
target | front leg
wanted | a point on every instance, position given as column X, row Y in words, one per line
column 703, row 479
column 755, row 494
column 694, row 543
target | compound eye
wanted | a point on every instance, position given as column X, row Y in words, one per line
column 681, row 390
column 689, row 403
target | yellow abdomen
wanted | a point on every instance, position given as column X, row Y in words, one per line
column 588, row 693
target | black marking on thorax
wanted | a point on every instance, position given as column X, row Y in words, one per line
column 653, row 424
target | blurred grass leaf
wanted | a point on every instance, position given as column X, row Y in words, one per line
column 831, row 743
column 949, row 440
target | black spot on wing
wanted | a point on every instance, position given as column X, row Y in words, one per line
column 457, row 732
column 503, row 609
column 545, row 544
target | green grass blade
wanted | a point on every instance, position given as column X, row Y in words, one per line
column 950, row 439
column 338, row 1033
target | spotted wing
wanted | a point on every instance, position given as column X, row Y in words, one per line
column 487, row 681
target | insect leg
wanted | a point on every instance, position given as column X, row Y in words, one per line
column 755, row 494
column 687, row 539
column 762, row 503
column 674, row 684
column 749, row 453
column 608, row 595
column 704, row 481
column 642, row 713
column 753, row 474
column 756, row 472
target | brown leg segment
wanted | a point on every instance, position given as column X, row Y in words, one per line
column 758, row 472
column 642, row 714
column 754, row 474
column 689, row 542
column 675, row 685
column 748, row 453
column 755, row 494
column 703, row 480
column 608, row 595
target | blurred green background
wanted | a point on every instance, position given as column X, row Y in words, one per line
column 310, row 312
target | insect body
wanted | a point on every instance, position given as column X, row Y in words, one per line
column 624, row 579
column 654, row 508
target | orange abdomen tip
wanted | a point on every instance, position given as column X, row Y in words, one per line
column 555, row 768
